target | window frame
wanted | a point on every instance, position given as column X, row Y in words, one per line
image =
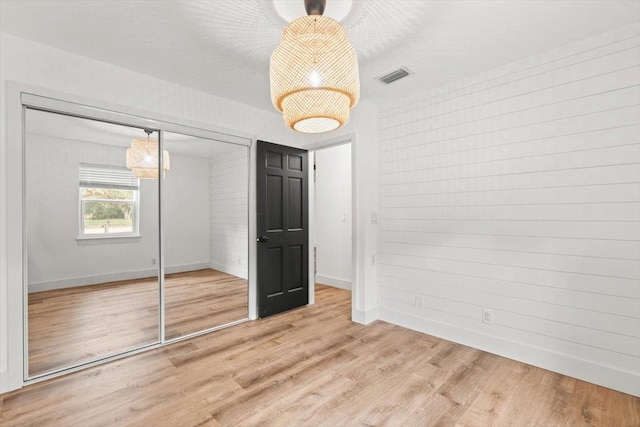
column 135, row 219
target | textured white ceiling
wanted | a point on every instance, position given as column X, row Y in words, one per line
column 223, row 47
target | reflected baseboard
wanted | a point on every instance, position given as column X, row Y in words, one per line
column 235, row 270
column 112, row 277
column 186, row 268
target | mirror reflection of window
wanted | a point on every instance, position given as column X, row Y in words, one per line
column 109, row 202
column 92, row 242
column 92, row 227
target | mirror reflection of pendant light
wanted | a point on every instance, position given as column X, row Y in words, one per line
column 314, row 73
column 142, row 157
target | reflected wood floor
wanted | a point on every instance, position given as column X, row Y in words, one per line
column 73, row 325
column 203, row 299
column 314, row 367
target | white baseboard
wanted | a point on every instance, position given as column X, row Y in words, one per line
column 7, row 383
column 186, row 268
column 365, row 317
column 234, row 270
column 5, row 386
column 111, row 277
column 606, row 376
column 333, row 281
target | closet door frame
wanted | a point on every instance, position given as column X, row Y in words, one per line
column 19, row 99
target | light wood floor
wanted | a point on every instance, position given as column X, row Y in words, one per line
column 313, row 367
column 73, row 325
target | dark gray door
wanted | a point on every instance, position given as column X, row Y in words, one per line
column 282, row 228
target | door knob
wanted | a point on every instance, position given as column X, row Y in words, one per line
column 262, row 239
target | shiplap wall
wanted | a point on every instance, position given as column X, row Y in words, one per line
column 518, row 190
column 229, row 212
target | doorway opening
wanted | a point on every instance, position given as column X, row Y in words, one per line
column 333, row 220
column 346, row 277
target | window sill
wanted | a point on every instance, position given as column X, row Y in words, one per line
column 102, row 240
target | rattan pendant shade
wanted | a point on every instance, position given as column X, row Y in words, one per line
column 314, row 75
column 142, row 158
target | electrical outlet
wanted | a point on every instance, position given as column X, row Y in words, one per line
column 373, row 260
column 154, row 261
column 374, row 217
column 487, row 316
column 419, row 301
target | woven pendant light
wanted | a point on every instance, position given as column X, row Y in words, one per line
column 142, row 158
column 314, row 73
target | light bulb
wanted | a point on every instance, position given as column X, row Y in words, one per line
column 315, row 79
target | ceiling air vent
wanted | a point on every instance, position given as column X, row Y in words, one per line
column 394, row 75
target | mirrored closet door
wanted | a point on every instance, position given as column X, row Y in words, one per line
column 92, row 241
column 135, row 233
column 205, row 234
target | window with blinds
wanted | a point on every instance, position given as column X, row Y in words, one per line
column 109, row 202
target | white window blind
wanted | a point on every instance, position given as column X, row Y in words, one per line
column 100, row 176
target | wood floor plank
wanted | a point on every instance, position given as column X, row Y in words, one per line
column 81, row 324
column 314, row 367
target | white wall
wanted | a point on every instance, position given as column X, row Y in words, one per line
column 185, row 221
column 57, row 260
column 333, row 216
column 93, row 81
column 229, row 212
column 517, row 190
